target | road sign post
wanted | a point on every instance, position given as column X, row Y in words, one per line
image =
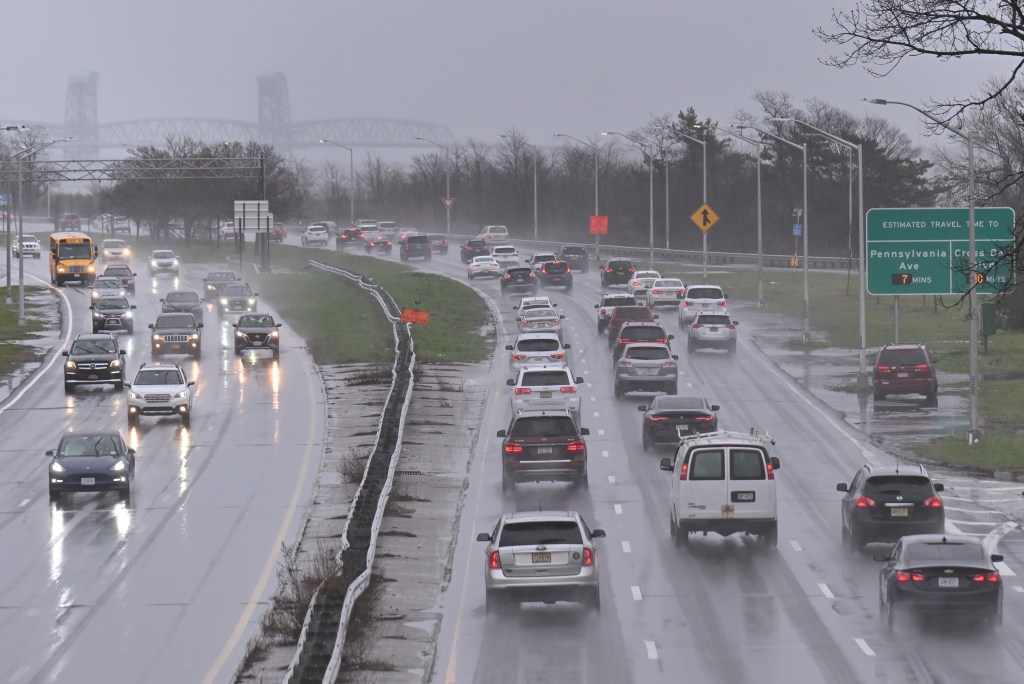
column 926, row 251
column 704, row 218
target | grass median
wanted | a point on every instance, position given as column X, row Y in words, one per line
column 15, row 350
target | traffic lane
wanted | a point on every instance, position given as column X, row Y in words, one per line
column 190, row 489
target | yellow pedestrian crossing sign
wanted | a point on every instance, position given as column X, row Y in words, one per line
column 704, row 217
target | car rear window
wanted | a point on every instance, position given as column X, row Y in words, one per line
column 541, row 532
column 620, row 265
column 939, row 551
column 417, row 240
column 909, row 486
column 647, row 353
column 714, row 319
column 538, row 345
column 548, row 426
column 545, row 378
column 642, row 333
column 746, row 464
column 707, row 464
column 632, row 312
column 704, row 293
column 901, row 357
column 556, row 267
column 617, row 300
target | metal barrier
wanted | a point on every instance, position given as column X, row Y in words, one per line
column 318, row 654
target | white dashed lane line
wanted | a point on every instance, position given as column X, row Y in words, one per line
column 611, row 479
column 796, row 547
column 1019, row 589
column 652, row 650
column 637, row 596
column 626, row 548
column 825, row 591
column 600, row 433
column 597, row 414
column 864, row 647
column 604, row 454
column 618, row 509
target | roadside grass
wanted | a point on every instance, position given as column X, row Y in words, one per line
column 13, row 352
column 994, row 452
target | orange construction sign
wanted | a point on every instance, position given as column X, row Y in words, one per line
column 415, row 316
column 598, row 225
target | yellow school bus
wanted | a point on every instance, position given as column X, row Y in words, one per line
column 72, row 258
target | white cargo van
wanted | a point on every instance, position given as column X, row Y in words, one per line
column 723, row 482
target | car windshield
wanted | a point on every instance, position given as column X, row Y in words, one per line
column 911, row 487
column 164, row 376
column 545, row 378
column 647, row 353
column 678, row 403
column 648, row 274
column 541, row 345
column 548, row 426
column 544, row 257
column 220, row 276
column 541, row 532
column 89, row 445
column 112, row 303
column 93, row 347
column 108, row 284
column 182, row 297
column 901, row 357
column 237, row 291
column 163, row 254
column 257, row 321
column 704, row 293
column 643, row 333
column 503, row 250
column 77, row 250
column 118, row 271
column 114, row 244
column 534, row 314
column 921, row 552
column 29, row 239
column 175, row 321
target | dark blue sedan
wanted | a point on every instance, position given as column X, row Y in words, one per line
column 91, row 461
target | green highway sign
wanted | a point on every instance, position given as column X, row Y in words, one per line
column 925, row 250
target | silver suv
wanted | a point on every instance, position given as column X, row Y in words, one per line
column 646, row 367
column 160, row 389
column 541, row 556
column 713, row 331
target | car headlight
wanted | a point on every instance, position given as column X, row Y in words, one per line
column 195, row 336
column 239, row 333
column 158, row 338
column 134, row 395
column 71, row 365
column 97, row 314
column 91, row 268
column 126, row 252
column 61, row 268
column 56, row 467
column 181, row 395
column 119, row 466
column 128, row 314
column 224, row 301
column 252, row 301
column 273, row 333
column 116, row 363
column 174, row 261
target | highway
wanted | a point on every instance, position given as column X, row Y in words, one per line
column 168, row 587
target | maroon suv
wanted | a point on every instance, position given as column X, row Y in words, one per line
column 543, row 446
column 621, row 314
column 904, row 369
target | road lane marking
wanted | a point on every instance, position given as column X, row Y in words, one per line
column 1004, row 569
column 1019, row 589
column 652, row 650
column 796, row 547
column 618, row 509
column 24, row 503
column 637, row 596
column 864, row 647
column 626, row 548
column 593, row 398
column 600, row 433
column 604, row 454
column 597, row 414
column 611, row 479
column 586, row 372
column 972, row 510
column 590, row 384
column 825, row 591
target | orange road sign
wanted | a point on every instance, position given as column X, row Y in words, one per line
column 415, row 316
column 598, row 225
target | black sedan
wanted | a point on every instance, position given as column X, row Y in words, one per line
column 519, row 279
column 257, row 331
column 377, row 244
column 670, row 414
column 91, row 461
column 941, row 574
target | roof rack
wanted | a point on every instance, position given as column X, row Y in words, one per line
column 754, row 434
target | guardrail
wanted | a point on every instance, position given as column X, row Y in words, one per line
column 318, row 654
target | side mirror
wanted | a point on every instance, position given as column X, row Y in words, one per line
column 776, row 463
column 566, row 346
column 128, row 385
column 584, row 431
column 122, row 352
column 135, row 274
column 91, row 306
column 675, row 357
column 996, row 557
column 666, row 464
column 191, row 383
column 500, row 433
column 199, row 325
column 233, row 325
column 655, row 316
column 509, row 347
column 483, row 536
column 151, row 326
column 161, row 301
column 842, row 487
column 50, row 453
column 939, row 487
column 278, row 325
column 641, row 408
column 131, row 452
column 671, row 337
column 510, row 382
column 735, row 322
column 597, row 533
column 561, row 316
column 64, row 353
column 579, row 381
column 715, row 407
column 597, row 306
column 679, row 295
column 133, row 306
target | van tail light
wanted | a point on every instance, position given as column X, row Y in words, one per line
column 568, row 389
column 986, row 577
column 903, row 576
column 522, row 390
column 682, row 471
column 771, row 470
column 513, row 448
column 697, row 325
column 588, row 557
column 518, row 357
column 495, row 561
column 864, row 502
column 933, row 502
column 578, row 445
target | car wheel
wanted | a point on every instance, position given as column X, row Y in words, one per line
column 198, row 354
column 594, row 600
column 647, row 441
column 996, row 619
column 507, row 483
column 186, row 419
column 495, row 602
column 125, row 496
column 54, row 495
column 429, row 256
column 618, row 391
column 69, row 388
column 856, row 538
column 95, row 330
column 770, row 538
column 119, row 386
column 672, row 389
column 879, row 396
column 890, row 613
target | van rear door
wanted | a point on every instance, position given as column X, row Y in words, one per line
column 750, row 491
column 705, row 490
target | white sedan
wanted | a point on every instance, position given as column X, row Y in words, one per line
column 641, row 282
column 665, row 291
column 484, row 266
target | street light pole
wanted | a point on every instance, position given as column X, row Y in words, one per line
column 536, row 152
column 351, row 181
column 758, row 145
column 447, row 183
column 592, row 146
column 974, row 434
column 7, row 217
column 704, row 200
column 648, row 152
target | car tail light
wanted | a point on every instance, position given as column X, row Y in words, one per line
column 656, row 292
column 568, row 269
column 730, row 326
column 607, row 270
column 771, row 470
column 622, row 340
column 652, row 418
column 986, row 577
column 625, row 364
column 697, row 325
column 495, row 561
column 558, row 356
column 682, row 471
column 921, row 367
column 636, row 283
column 669, row 364
column 522, row 390
column 388, row 243
column 864, row 502
column 513, row 448
column 578, row 445
column 518, row 357
column 588, row 557
column 568, row 389
column 933, row 502
column 703, row 419
column 903, row 576
column 508, row 277
column 685, row 303
column 533, row 275
column 632, row 269
column 723, row 303
column 661, row 341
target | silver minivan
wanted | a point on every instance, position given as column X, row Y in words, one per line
column 723, row 482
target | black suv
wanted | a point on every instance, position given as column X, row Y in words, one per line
column 349, row 236
column 905, row 369
column 92, row 360
column 542, row 446
column 439, row 243
column 617, row 272
column 669, row 412
column 884, row 503
column 555, row 273
column 112, row 313
column 176, row 333
column 415, row 246
column 473, row 247
column 236, row 297
column 575, row 256
column 519, row 279
column 257, row 331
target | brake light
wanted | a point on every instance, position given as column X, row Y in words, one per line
column 569, row 389
column 622, row 340
column 513, row 448
column 661, row 341
column 632, row 269
column 864, row 502
column 686, row 303
column 607, row 270
column 578, row 445
column 682, row 471
column 729, row 326
column 657, row 418
column 903, row 576
column 933, row 502
column 495, row 562
column 697, row 325
column 636, row 283
column 518, row 357
column 921, row 367
column 533, row 275
column 522, row 390
column 568, row 269
column 588, row 557
column 986, row 577
column 656, row 292
column 771, row 470
column 558, row 356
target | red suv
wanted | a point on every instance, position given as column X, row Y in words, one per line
column 905, row 369
column 620, row 315
column 543, row 446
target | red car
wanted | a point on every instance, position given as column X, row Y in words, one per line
column 621, row 314
column 279, row 232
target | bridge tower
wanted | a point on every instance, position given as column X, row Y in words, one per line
column 81, row 115
column 275, row 113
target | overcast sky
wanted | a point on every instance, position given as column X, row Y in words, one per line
column 479, row 67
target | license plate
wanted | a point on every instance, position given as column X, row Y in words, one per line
column 647, row 371
column 542, row 557
column 88, row 481
column 545, row 395
column 903, row 375
column 949, row 582
column 744, row 496
column 257, row 343
column 899, row 512
column 545, row 450
column 94, row 377
column 713, row 329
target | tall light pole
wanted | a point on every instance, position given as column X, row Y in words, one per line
column 807, row 289
column 648, row 152
column 351, row 180
column 536, row 152
column 862, row 377
column 7, row 217
column 974, row 435
column 592, row 146
column 759, row 146
column 447, row 183
column 704, row 200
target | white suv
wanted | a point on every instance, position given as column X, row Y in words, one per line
column 160, row 389
column 543, row 388
column 701, row 299
column 723, row 482
column 505, row 255
column 315, row 234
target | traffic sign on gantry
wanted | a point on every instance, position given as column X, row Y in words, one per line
column 926, row 250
